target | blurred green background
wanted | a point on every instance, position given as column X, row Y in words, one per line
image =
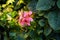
column 46, row 16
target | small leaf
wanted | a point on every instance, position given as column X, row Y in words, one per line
column 18, row 7
column 26, row 35
column 46, row 15
column 39, row 31
column 58, row 3
column 4, row 5
column 12, row 34
column 19, row 2
column 5, row 36
column 32, row 34
column 12, row 14
column 0, row 7
column 40, row 13
column 3, row 17
column 20, row 37
column 9, row 1
column 42, row 22
column 47, row 31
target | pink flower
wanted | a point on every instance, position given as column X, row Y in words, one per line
column 25, row 18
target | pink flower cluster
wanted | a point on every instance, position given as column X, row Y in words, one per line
column 25, row 18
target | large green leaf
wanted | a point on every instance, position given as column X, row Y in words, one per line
column 58, row 3
column 54, row 20
column 44, row 4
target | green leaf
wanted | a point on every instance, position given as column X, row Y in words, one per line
column 39, row 31
column 40, row 13
column 12, row 35
column 5, row 36
column 9, row 1
column 42, row 22
column 32, row 34
column 54, row 20
column 13, row 14
column 0, row 7
column 4, row 16
column 47, row 31
column 44, row 4
column 12, row 23
column 32, row 5
column 26, row 35
column 58, row 3
column 18, row 7
column 20, row 38
column 46, row 15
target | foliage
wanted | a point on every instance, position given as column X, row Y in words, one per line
column 46, row 16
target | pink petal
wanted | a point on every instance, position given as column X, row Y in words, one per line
column 29, row 19
column 23, row 19
column 25, row 14
column 30, row 12
column 28, row 23
column 20, row 17
column 22, row 23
